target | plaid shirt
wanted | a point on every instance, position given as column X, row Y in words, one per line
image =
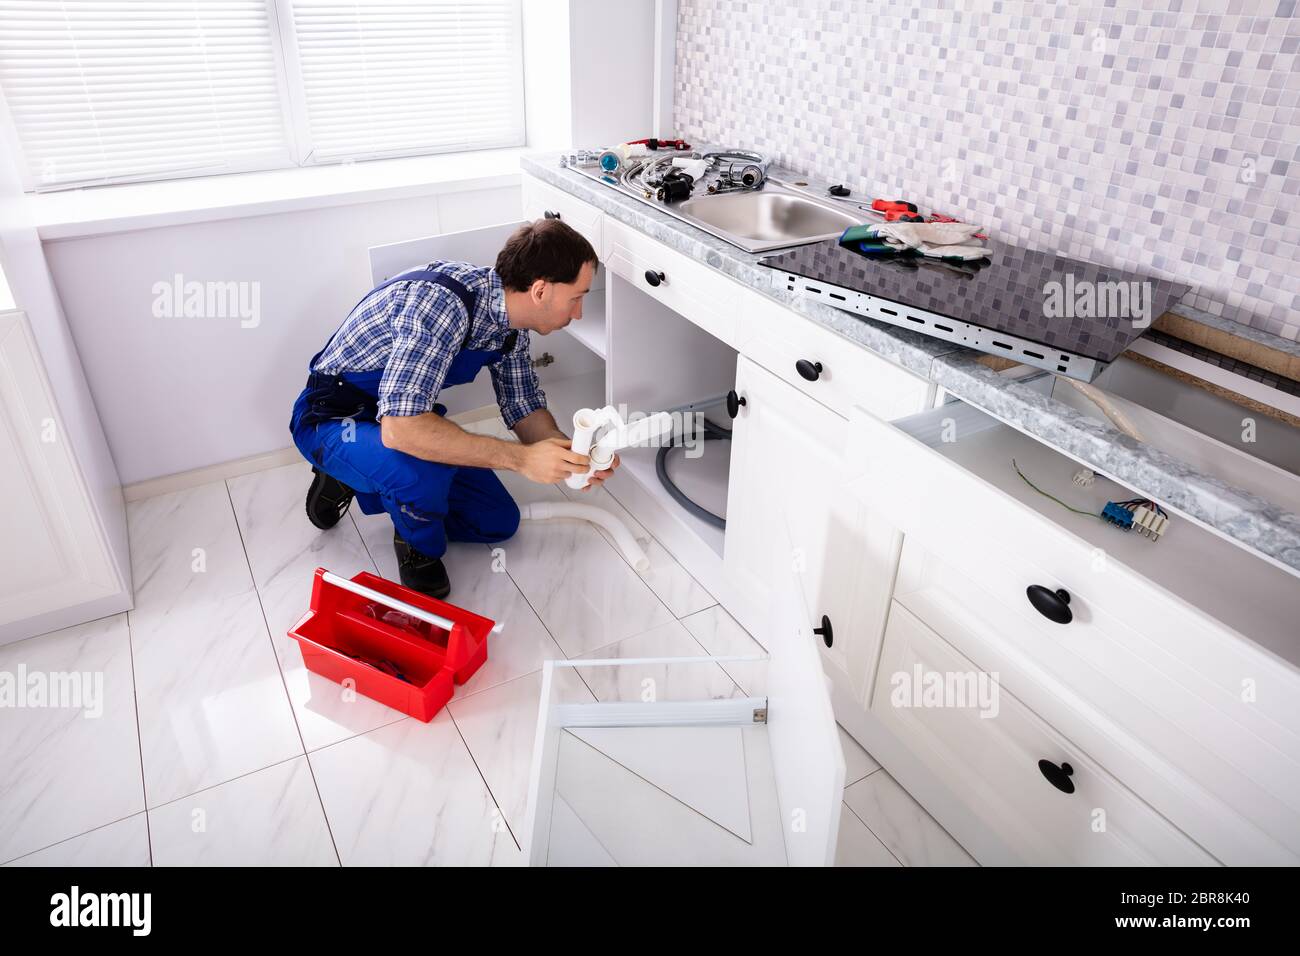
column 413, row 330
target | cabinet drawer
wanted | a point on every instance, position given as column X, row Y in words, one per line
column 1193, row 715
column 542, row 200
column 1097, row 675
column 701, row 295
column 779, row 339
column 987, row 748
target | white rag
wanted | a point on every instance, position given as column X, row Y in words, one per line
column 935, row 239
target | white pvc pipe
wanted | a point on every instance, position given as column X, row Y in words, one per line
column 542, row 510
column 587, row 422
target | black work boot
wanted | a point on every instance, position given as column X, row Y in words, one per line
column 327, row 500
column 419, row 572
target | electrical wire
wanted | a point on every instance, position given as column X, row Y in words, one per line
column 1091, row 514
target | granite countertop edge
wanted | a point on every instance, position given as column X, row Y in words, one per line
column 1247, row 519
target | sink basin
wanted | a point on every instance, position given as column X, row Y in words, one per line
column 771, row 218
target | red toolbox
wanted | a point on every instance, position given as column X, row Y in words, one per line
column 398, row 646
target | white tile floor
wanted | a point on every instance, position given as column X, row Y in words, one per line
column 216, row 745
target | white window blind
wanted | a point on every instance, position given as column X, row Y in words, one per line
column 394, row 77
column 104, row 91
column 119, row 90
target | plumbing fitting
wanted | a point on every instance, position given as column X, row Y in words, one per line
column 600, row 432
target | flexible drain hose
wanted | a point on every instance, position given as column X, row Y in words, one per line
column 712, row 432
column 543, row 510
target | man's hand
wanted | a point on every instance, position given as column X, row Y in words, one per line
column 551, row 460
column 599, row 477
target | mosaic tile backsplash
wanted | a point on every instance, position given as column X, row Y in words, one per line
column 1157, row 135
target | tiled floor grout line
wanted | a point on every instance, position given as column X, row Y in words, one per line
column 365, row 547
column 283, row 682
column 869, row 830
column 487, row 786
column 139, row 737
column 214, row 786
column 77, row 836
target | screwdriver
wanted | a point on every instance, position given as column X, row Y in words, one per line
column 897, row 210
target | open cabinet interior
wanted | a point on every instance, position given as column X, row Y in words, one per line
column 659, row 361
column 672, row 767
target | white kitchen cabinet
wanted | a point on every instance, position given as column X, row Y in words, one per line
column 825, row 366
column 787, row 515
column 1176, row 669
column 56, row 554
column 1047, row 798
column 700, row 294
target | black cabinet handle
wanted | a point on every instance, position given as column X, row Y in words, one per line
column 809, row 370
column 1053, row 605
column 826, row 631
column 654, row 278
column 550, row 214
column 734, row 402
column 1058, row 777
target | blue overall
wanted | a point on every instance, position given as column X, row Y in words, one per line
column 335, row 426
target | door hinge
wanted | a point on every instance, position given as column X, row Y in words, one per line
column 760, row 715
column 543, row 360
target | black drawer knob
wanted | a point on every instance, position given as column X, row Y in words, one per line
column 734, row 402
column 550, row 214
column 1053, row 605
column 809, row 370
column 654, row 278
column 826, row 631
column 1058, row 777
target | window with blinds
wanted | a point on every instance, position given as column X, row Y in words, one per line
column 107, row 91
column 389, row 77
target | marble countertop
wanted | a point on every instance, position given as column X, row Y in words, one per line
column 1250, row 521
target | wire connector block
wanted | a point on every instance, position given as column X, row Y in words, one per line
column 1148, row 522
column 1117, row 515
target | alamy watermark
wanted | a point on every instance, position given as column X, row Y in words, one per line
column 1084, row 299
column 74, row 908
column 959, row 690
column 73, row 690
column 179, row 298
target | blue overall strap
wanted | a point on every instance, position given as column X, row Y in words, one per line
column 467, row 298
column 437, row 278
column 457, row 288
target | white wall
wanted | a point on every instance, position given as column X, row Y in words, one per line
column 548, row 107
column 612, row 71
column 589, row 71
column 183, row 393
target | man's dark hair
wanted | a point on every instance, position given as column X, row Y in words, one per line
column 546, row 249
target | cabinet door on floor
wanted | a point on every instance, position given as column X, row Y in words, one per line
column 787, row 516
column 55, row 555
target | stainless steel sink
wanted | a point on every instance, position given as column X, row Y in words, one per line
column 778, row 215
column 772, row 218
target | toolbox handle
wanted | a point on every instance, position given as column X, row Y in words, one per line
column 329, row 577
